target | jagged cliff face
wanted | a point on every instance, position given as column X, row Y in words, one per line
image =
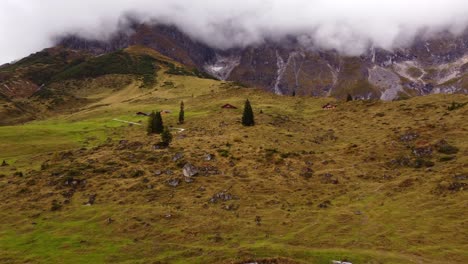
column 438, row 65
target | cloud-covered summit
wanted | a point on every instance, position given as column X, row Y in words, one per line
column 348, row 26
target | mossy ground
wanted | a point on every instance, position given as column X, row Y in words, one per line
column 308, row 185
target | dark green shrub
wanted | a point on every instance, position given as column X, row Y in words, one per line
column 455, row 106
column 248, row 115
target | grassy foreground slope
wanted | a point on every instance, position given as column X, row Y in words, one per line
column 370, row 182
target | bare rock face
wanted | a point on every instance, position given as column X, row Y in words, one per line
column 430, row 65
column 189, row 170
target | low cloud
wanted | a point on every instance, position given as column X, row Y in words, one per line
column 350, row 27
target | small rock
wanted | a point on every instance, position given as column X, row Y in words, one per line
column 221, row 196
column 189, row 170
column 409, row 136
column 461, row 177
column 425, row 151
column 157, row 173
column 307, row 173
column 4, row 163
column 178, row 156
column 208, row 157
column 188, row 179
column 258, row 220
column 325, row 204
column 91, row 199
column 168, row 216
column 173, row 182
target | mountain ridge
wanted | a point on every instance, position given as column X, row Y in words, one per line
column 286, row 67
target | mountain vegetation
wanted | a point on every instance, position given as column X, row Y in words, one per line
column 366, row 181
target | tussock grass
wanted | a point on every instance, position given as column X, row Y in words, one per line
column 308, row 185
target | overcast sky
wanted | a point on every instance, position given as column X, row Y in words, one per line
column 28, row 26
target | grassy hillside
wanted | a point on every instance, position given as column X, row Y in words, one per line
column 370, row 182
column 57, row 80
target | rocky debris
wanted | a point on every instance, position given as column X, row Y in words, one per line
column 189, row 170
column 231, row 207
column 222, row 196
column 307, row 173
column 188, row 179
column 209, row 170
column 457, row 186
column 451, row 186
column 169, row 172
column 324, row 204
column 64, row 155
column 208, row 157
column 421, row 163
column 401, row 161
column 91, row 199
column 126, row 145
column 258, row 220
column 328, row 178
column 328, row 136
column 409, row 136
column 177, row 156
column 123, row 142
column 158, row 147
column 424, row 151
column 173, row 182
column 74, row 183
column 461, row 177
column 168, row 216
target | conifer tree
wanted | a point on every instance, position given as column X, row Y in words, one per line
column 166, row 137
column 248, row 115
column 181, row 113
column 158, row 126
column 151, row 118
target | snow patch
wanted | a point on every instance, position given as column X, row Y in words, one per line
column 223, row 66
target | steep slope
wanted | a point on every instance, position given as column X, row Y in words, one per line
column 435, row 65
column 58, row 80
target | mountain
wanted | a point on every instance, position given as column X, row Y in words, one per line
column 42, row 83
column 366, row 181
column 435, row 65
column 58, row 80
